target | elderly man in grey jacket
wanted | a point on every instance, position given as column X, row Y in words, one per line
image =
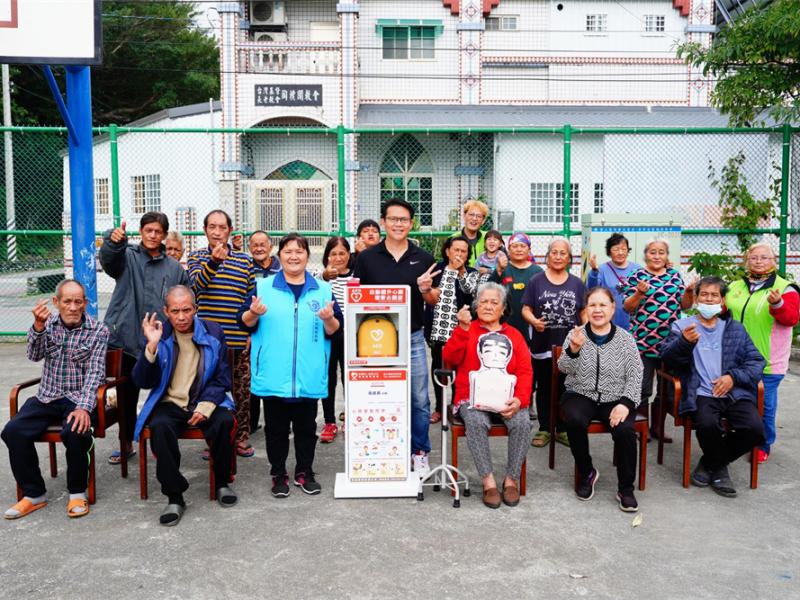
column 143, row 273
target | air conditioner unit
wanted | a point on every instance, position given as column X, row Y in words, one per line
column 270, row 36
column 267, row 12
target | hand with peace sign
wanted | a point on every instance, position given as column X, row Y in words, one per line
column 119, row 234
column 425, row 281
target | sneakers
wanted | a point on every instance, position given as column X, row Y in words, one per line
column 328, row 433
column 420, row 464
column 701, row 477
column 762, row 456
column 627, row 502
column 307, row 483
column 722, row 484
column 280, row 486
column 585, row 488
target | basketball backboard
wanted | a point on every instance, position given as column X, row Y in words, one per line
column 56, row 32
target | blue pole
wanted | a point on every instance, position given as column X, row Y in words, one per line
column 81, row 182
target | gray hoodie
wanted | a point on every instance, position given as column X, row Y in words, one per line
column 142, row 284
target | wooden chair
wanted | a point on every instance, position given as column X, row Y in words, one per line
column 106, row 417
column 190, row 433
column 640, row 425
column 666, row 380
column 458, row 429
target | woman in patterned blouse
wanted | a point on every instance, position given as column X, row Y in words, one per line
column 452, row 289
column 654, row 296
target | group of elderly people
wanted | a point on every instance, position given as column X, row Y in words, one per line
column 179, row 329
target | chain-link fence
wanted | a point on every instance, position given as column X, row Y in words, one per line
column 321, row 181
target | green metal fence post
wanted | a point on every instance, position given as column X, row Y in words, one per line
column 341, row 190
column 784, row 214
column 112, row 135
column 567, row 206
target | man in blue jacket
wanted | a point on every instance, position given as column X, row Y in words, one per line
column 720, row 368
column 184, row 363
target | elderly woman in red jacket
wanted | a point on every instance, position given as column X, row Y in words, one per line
column 493, row 384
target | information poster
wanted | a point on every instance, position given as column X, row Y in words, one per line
column 377, row 426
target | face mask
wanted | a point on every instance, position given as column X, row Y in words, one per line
column 709, row 311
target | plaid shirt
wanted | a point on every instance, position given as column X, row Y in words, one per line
column 74, row 360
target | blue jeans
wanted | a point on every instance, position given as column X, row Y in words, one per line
column 771, row 383
column 420, row 403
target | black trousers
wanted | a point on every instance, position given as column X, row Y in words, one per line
column 542, row 373
column 579, row 411
column 281, row 417
column 128, row 399
column 337, row 359
column 167, row 422
column 720, row 447
column 29, row 423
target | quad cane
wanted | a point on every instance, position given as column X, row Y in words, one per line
column 445, row 475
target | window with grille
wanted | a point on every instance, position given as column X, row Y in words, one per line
column 654, row 23
column 270, row 209
column 309, row 211
column 101, row 203
column 414, row 42
column 146, row 193
column 186, row 220
column 407, row 173
column 547, row 202
column 599, row 206
column 502, row 23
column 596, row 22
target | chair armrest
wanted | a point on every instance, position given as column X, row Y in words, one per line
column 676, row 386
column 760, row 398
column 102, row 391
column 13, row 397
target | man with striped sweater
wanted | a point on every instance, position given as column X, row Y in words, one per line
column 221, row 279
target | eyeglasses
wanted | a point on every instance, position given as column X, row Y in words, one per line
column 760, row 258
column 475, row 215
column 398, row 220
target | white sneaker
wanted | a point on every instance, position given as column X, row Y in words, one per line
column 421, row 465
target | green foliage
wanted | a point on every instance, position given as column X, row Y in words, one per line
column 153, row 58
column 756, row 64
column 723, row 265
column 740, row 209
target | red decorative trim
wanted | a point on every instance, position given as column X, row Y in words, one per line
column 580, row 60
column 12, row 23
column 682, row 6
column 488, row 5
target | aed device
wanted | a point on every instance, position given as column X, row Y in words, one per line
column 376, row 337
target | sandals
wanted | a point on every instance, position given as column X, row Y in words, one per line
column 116, row 457
column 541, row 439
column 79, row 507
column 23, row 508
column 172, row 515
column 245, row 451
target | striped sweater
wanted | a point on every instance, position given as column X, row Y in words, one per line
column 610, row 372
column 221, row 290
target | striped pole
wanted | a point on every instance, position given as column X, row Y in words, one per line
column 11, row 220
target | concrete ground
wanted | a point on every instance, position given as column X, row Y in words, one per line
column 690, row 543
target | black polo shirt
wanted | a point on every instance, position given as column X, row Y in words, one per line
column 376, row 266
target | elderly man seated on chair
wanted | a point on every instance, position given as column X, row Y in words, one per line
column 720, row 368
column 184, row 363
column 73, row 347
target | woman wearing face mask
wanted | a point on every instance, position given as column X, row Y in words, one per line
column 614, row 274
column 654, row 296
column 452, row 288
column 769, row 307
column 604, row 381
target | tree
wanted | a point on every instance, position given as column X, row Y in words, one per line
column 756, row 64
column 154, row 57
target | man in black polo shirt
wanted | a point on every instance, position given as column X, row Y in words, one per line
column 396, row 261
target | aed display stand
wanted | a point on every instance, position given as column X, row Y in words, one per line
column 377, row 363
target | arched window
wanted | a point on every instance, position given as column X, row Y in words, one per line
column 297, row 170
column 407, row 173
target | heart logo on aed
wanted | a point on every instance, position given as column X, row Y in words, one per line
column 355, row 296
column 376, row 334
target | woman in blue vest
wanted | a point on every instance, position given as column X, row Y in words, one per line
column 292, row 317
